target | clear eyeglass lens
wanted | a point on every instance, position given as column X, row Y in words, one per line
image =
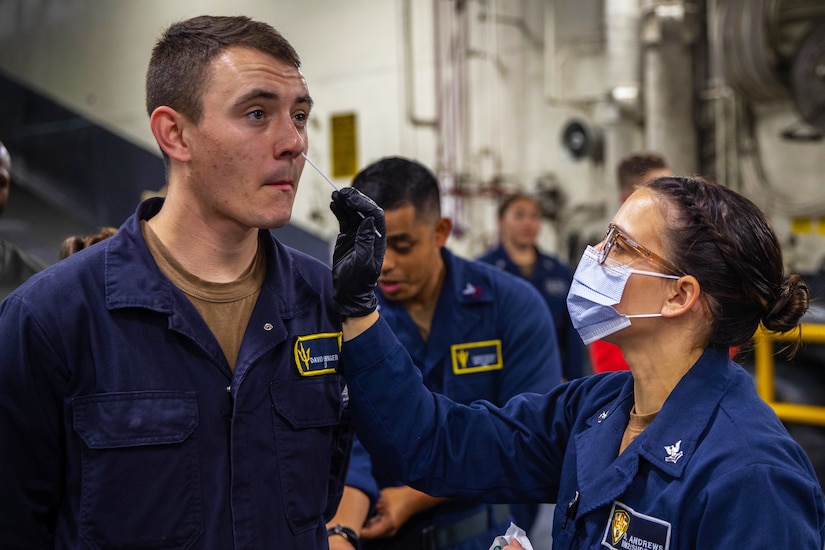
column 609, row 239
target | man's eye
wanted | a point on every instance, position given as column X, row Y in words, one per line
column 402, row 250
column 257, row 114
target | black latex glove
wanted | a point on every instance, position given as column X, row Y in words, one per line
column 359, row 251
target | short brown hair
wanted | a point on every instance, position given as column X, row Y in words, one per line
column 633, row 168
column 179, row 67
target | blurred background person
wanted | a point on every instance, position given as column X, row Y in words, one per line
column 633, row 171
column 637, row 169
column 519, row 223
column 15, row 265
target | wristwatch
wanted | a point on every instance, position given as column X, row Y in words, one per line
column 345, row 532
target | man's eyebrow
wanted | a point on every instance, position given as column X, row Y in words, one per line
column 255, row 94
column 267, row 94
column 305, row 99
column 401, row 237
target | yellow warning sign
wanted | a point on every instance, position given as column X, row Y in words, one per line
column 344, row 146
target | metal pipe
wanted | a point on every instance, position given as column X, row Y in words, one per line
column 721, row 99
column 409, row 69
column 669, row 85
column 623, row 82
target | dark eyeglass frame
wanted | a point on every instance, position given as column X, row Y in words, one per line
column 614, row 233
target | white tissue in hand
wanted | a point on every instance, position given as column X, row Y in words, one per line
column 513, row 532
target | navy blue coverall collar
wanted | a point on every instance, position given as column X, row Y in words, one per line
column 667, row 444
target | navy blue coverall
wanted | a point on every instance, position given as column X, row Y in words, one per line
column 715, row 469
column 122, row 425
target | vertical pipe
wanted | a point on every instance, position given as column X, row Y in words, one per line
column 438, row 68
column 453, row 87
column 409, row 67
column 623, row 80
column 721, row 98
column 669, row 83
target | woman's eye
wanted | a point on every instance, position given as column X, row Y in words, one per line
column 619, row 247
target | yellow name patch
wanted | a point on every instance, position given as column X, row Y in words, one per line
column 317, row 353
column 473, row 357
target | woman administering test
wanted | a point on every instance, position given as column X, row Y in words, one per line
column 678, row 453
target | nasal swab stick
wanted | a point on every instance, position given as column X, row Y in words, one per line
column 329, row 181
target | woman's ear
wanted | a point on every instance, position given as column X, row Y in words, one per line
column 684, row 296
column 168, row 128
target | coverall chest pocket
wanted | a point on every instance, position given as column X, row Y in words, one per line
column 306, row 418
column 140, row 479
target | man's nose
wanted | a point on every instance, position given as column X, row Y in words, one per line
column 389, row 262
column 290, row 140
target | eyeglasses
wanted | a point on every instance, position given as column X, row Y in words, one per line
column 613, row 234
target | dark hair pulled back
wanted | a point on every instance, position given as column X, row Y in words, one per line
column 727, row 243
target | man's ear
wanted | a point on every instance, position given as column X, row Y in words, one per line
column 683, row 297
column 168, row 128
column 443, row 226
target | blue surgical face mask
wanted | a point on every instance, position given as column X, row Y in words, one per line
column 595, row 289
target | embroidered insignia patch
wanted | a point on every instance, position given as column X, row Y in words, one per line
column 674, row 452
column 630, row 530
column 472, row 290
column 317, row 353
column 473, row 357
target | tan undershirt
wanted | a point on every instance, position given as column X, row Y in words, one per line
column 636, row 425
column 226, row 307
column 524, row 258
column 527, row 270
